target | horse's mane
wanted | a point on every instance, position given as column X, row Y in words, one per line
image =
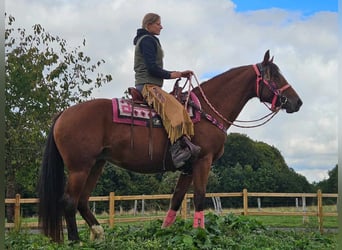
column 271, row 68
column 226, row 73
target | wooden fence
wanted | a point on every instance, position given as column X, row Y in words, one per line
column 246, row 210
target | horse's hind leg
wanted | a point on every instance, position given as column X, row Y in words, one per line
column 182, row 186
column 76, row 181
column 96, row 230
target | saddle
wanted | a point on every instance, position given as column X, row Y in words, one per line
column 136, row 95
column 176, row 92
column 136, row 111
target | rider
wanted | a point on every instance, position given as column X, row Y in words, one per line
column 149, row 76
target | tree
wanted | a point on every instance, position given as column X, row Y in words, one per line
column 238, row 149
column 256, row 166
column 43, row 77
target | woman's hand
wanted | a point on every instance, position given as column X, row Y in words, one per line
column 178, row 74
column 187, row 73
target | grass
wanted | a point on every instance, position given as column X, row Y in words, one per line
column 221, row 232
column 329, row 222
column 296, row 221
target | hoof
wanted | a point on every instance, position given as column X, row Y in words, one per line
column 199, row 220
column 96, row 233
column 170, row 218
column 75, row 243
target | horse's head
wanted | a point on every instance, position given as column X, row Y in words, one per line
column 272, row 87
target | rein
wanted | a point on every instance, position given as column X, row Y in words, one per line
column 263, row 120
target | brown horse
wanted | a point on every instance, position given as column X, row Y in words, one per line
column 84, row 138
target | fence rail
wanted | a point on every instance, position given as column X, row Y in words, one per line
column 112, row 198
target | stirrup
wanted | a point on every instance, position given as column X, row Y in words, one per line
column 194, row 149
column 179, row 154
column 183, row 150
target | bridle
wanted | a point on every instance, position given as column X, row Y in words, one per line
column 277, row 92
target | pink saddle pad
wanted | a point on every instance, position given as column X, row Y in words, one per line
column 143, row 115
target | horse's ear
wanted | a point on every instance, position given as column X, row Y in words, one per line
column 266, row 58
column 271, row 61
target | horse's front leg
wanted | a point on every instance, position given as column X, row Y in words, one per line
column 182, row 187
column 200, row 180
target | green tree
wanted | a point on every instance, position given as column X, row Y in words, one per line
column 168, row 182
column 43, row 77
column 238, row 149
column 256, row 166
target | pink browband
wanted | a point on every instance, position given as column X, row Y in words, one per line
column 271, row 86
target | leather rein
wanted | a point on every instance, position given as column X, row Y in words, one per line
column 277, row 93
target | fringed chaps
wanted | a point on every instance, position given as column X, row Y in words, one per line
column 175, row 118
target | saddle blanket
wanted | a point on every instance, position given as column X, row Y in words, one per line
column 143, row 115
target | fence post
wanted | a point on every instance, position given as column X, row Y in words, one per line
column 305, row 217
column 320, row 210
column 111, row 209
column 143, row 206
column 17, row 212
column 215, row 205
column 219, row 204
column 184, row 206
column 259, row 203
column 245, row 202
column 135, row 207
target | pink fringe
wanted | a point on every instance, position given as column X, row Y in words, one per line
column 170, row 218
column 199, row 219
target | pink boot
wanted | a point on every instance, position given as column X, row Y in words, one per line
column 199, row 219
column 170, row 218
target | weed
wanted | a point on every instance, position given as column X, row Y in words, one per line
column 221, row 232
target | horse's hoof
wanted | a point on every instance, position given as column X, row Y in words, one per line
column 72, row 243
column 96, row 233
column 169, row 219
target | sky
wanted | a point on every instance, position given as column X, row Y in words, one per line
column 210, row 37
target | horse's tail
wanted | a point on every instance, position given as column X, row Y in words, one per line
column 51, row 189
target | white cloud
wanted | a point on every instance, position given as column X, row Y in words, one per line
column 314, row 175
column 210, row 36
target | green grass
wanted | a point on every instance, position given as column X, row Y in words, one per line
column 296, row 221
column 221, row 232
column 268, row 221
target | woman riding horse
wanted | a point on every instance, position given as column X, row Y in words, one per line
column 149, row 75
column 84, row 137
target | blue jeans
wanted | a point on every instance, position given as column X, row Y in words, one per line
column 139, row 87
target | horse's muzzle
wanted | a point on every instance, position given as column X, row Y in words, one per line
column 293, row 106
